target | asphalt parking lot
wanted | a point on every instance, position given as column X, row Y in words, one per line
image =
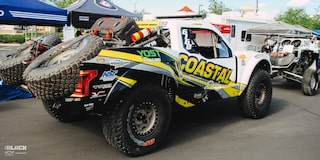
column 216, row 130
column 6, row 49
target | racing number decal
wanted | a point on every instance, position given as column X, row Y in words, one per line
column 204, row 69
column 186, row 39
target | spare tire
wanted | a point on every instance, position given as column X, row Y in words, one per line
column 55, row 73
column 50, row 40
column 12, row 67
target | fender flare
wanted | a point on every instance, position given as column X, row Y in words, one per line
column 132, row 78
column 263, row 64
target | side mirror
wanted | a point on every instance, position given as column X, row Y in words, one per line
column 219, row 39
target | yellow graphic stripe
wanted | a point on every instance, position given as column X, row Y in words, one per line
column 232, row 89
column 121, row 55
column 129, row 81
column 232, row 92
column 139, row 59
column 183, row 102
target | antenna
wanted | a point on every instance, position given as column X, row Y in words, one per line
column 257, row 5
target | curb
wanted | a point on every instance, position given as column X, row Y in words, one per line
column 9, row 44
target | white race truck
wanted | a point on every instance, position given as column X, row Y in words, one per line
column 139, row 76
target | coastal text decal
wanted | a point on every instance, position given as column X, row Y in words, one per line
column 204, row 69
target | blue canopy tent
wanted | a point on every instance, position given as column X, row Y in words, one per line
column 31, row 12
column 317, row 32
column 12, row 92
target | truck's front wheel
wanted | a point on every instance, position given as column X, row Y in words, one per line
column 256, row 99
column 310, row 82
column 139, row 121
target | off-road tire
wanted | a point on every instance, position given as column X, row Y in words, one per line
column 64, row 113
column 310, row 82
column 255, row 101
column 50, row 40
column 139, row 121
column 12, row 67
column 55, row 73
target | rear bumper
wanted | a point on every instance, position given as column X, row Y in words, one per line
column 89, row 105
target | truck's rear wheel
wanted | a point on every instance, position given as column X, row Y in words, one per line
column 64, row 113
column 310, row 82
column 139, row 121
column 256, row 99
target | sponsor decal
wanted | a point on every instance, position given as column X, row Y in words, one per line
column 204, row 69
column 98, row 94
column 152, row 60
column 151, row 53
column 149, row 142
column 108, row 75
column 118, row 63
column 72, row 99
column 12, row 150
column 89, row 106
column 243, row 59
column 1, row 13
column 84, row 18
column 105, row 4
column 102, row 86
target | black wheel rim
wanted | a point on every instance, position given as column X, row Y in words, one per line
column 69, row 53
column 313, row 82
column 143, row 118
column 260, row 95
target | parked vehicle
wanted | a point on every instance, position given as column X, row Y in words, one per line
column 141, row 72
column 295, row 59
column 294, row 56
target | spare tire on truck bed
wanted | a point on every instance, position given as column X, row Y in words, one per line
column 55, row 73
column 12, row 67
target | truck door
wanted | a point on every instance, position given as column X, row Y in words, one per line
column 208, row 61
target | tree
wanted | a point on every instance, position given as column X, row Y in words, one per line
column 217, row 7
column 294, row 16
column 316, row 19
column 141, row 13
column 315, row 22
column 298, row 16
column 61, row 3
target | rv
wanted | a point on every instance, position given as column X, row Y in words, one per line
column 239, row 24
